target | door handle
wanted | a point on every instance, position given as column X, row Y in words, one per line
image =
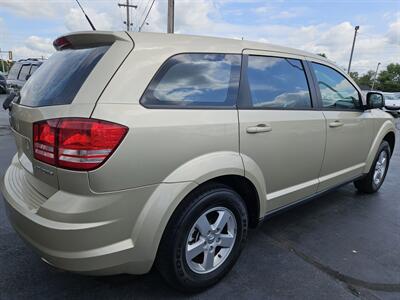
column 259, row 128
column 336, row 123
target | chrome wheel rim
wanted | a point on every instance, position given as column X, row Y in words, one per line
column 380, row 168
column 210, row 240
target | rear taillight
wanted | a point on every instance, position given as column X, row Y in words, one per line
column 44, row 141
column 76, row 143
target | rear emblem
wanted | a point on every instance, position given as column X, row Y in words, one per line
column 48, row 172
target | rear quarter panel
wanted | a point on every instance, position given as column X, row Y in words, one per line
column 168, row 145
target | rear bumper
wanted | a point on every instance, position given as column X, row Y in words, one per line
column 87, row 234
column 112, row 259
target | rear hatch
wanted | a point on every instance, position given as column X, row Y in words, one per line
column 68, row 84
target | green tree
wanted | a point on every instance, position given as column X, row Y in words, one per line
column 354, row 75
column 366, row 79
column 389, row 80
column 6, row 64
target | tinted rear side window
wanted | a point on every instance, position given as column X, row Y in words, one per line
column 278, row 83
column 59, row 79
column 13, row 74
column 195, row 80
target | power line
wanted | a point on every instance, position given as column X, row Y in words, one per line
column 120, row 14
column 143, row 13
column 139, row 5
column 144, row 21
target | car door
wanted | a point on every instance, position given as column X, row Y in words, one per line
column 348, row 128
column 280, row 130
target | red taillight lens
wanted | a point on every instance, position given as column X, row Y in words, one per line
column 78, row 144
column 44, row 141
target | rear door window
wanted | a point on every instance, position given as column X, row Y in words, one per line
column 195, row 80
column 24, row 72
column 277, row 83
column 59, row 79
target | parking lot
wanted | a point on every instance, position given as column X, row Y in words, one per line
column 343, row 245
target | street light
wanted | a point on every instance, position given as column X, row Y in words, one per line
column 352, row 48
column 376, row 73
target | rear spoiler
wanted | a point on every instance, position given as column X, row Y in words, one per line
column 88, row 39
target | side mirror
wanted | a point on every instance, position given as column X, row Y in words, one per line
column 8, row 101
column 375, row 100
column 27, row 76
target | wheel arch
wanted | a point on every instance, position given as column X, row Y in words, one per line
column 390, row 137
column 220, row 167
column 387, row 133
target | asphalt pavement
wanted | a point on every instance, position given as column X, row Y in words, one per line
column 343, row 245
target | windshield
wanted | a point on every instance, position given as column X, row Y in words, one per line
column 59, row 79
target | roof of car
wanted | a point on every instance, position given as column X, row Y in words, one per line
column 187, row 42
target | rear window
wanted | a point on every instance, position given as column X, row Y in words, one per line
column 59, row 79
column 13, row 74
column 195, row 80
column 24, row 72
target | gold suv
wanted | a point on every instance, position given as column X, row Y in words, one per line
column 137, row 149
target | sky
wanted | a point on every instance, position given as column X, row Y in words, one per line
column 28, row 27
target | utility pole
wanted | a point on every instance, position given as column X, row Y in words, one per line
column 128, row 21
column 352, row 48
column 171, row 7
column 376, row 73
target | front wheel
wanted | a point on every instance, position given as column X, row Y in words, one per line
column 372, row 182
column 203, row 239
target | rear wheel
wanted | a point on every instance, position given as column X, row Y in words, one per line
column 203, row 239
column 376, row 176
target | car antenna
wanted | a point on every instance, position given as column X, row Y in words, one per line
column 87, row 18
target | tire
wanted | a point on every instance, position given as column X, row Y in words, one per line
column 367, row 184
column 184, row 230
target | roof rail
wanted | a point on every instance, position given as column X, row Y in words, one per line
column 31, row 59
